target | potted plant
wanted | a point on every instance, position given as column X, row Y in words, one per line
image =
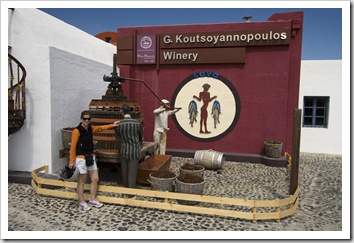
column 273, row 148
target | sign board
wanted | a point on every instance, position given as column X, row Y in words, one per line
column 146, row 49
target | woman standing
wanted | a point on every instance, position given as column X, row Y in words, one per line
column 83, row 158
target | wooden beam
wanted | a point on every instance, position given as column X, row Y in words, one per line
column 294, row 173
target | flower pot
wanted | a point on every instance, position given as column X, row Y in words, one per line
column 273, row 148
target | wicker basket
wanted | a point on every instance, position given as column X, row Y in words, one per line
column 198, row 172
column 66, row 136
column 162, row 184
column 190, row 188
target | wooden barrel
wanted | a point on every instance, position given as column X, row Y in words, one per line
column 210, row 159
column 108, row 156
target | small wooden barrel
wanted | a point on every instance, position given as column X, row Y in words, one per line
column 210, row 159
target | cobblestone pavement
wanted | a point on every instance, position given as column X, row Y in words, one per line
column 319, row 209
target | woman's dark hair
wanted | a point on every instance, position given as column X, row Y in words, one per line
column 85, row 113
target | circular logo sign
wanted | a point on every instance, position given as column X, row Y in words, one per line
column 210, row 106
column 146, row 42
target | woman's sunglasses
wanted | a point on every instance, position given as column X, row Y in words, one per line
column 86, row 119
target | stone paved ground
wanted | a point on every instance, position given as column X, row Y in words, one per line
column 319, row 209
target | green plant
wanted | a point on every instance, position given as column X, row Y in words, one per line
column 273, row 142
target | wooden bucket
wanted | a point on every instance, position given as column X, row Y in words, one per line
column 273, row 150
column 210, row 159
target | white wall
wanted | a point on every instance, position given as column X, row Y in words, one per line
column 75, row 81
column 58, row 59
column 323, row 78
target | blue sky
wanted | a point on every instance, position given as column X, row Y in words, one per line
column 322, row 36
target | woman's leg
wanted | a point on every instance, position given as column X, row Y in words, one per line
column 80, row 187
column 94, row 183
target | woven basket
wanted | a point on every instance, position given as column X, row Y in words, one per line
column 190, row 188
column 162, row 184
column 198, row 172
column 66, row 136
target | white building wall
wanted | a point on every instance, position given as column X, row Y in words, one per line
column 65, row 67
column 323, row 78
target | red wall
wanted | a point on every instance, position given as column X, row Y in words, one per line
column 267, row 84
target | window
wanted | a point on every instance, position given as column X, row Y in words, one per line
column 108, row 39
column 315, row 112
